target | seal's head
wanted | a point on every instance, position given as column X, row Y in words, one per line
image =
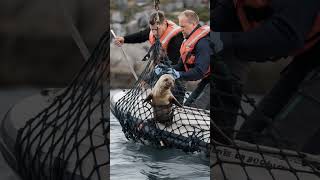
column 166, row 81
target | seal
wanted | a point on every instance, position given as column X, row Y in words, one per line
column 162, row 99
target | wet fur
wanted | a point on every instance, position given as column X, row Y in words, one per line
column 162, row 99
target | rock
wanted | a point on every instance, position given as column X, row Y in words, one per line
column 195, row 3
column 132, row 27
column 173, row 6
column 117, row 17
column 119, row 65
column 141, row 2
column 142, row 19
column 118, row 29
column 121, row 4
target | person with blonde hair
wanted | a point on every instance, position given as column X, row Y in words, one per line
column 194, row 62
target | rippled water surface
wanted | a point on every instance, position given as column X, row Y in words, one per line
column 131, row 160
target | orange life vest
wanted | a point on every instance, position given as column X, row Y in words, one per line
column 171, row 31
column 311, row 39
column 188, row 45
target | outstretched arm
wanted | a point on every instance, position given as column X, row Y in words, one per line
column 139, row 37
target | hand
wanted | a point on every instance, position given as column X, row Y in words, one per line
column 174, row 73
column 159, row 70
column 118, row 41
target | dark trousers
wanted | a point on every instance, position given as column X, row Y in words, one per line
column 272, row 103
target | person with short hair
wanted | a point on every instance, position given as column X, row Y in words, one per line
column 194, row 62
column 159, row 26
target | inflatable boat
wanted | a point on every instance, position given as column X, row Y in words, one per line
column 53, row 146
column 189, row 130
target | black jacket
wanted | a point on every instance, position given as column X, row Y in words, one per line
column 202, row 53
column 174, row 45
column 281, row 33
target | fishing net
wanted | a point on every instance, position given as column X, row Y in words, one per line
column 265, row 155
column 69, row 139
column 187, row 127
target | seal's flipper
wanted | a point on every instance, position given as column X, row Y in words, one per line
column 148, row 98
column 175, row 101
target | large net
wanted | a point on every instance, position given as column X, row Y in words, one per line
column 272, row 153
column 69, row 139
column 186, row 127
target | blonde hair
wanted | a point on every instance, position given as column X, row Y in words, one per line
column 190, row 15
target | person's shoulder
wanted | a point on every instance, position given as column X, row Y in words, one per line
column 203, row 45
column 178, row 37
column 204, row 42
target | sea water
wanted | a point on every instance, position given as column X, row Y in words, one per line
column 135, row 161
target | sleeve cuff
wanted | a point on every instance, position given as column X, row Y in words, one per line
column 181, row 73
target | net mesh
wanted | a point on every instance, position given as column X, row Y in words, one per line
column 264, row 155
column 186, row 127
column 69, row 139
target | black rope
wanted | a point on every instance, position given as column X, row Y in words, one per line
column 257, row 155
column 67, row 138
column 190, row 125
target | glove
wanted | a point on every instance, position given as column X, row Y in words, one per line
column 174, row 73
column 163, row 69
column 159, row 69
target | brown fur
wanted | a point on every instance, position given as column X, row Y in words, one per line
column 162, row 99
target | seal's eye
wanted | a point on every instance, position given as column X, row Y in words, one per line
column 165, row 79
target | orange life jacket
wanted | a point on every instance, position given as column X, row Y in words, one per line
column 188, row 45
column 311, row 39
column 171, row 31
